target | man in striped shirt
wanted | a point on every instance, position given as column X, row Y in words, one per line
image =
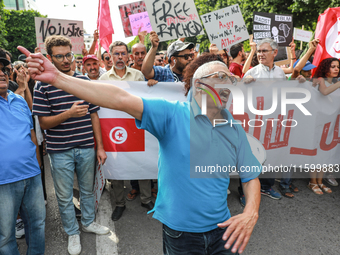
column 70, row 125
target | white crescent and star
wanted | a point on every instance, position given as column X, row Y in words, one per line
column 118, row 135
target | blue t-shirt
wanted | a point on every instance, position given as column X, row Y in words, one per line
column 186, row 203
column 18, row 160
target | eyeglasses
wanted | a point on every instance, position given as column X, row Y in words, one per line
column 107, row 58
column 263, row 51
column 60, row 57
column 222, row 76
column 185, row 56
column 6, row 70
column 117, row 54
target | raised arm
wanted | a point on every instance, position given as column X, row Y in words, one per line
column 312, row 46
column 251, row 55
column 291, row 52
column 147, row 67
column 95, row 40
column 105, row 95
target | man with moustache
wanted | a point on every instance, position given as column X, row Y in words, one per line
column 179, row 54
column 70, row 126
column 238, row 55
column 138, row 55
column 121, row 72
column 106, row 57
column 92, row 68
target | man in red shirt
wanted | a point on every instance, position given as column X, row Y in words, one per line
column 238, row 55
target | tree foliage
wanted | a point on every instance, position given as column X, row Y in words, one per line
column 3, row 32
column 20, row 29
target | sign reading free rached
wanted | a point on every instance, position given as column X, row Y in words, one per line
column 72, row 29
column 225, row 27
column 174, row 19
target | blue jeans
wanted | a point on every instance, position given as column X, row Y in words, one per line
column 26, row 196
column 186, row 243
column 286, row 179
column 63, row 165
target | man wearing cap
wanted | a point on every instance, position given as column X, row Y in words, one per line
column 179, row 54
column 303, row 66
column 20, row 181
column 92, row 68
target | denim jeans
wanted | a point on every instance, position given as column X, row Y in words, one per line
column 26, row 196
column 63, row 166
column 186, row 243
column 286, row 179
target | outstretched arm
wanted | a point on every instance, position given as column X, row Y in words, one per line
column 101, row 94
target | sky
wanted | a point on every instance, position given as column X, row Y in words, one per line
column 86, row 11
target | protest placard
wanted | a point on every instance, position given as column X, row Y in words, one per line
column 140, row 20
column 225, row 27
column 73, row 30
column 128, row 9
column 302, row 35
column 174, row 19
column 279, row 27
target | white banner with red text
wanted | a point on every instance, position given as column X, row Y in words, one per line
column 295, row 123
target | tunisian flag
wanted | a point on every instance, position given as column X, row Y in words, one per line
column 328, row 31
column 121, row 134
column 104, row 24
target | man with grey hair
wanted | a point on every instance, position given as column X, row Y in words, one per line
column 267, row 49
column 119, row 71
column 193, row 209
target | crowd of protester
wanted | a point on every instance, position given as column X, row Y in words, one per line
column 66, row 128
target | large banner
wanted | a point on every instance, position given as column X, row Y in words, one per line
column 174, row 19
column 72, row 29
column 225, row 27
column 295, row 123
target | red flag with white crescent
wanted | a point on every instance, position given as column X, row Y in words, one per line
column 328, row 32
column 122, row 135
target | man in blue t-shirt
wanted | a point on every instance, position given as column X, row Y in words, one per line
column 191, row 204
column 71, row 126
column 20, row 181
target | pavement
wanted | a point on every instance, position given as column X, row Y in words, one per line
column 305, row 225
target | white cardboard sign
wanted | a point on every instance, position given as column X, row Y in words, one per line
column 72, row 29
column 302, row 35
column 225, row 27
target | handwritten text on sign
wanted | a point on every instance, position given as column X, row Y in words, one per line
column 73, row 30
column 140, row 20
column 225, row 27
column 302, row 35
column 174, row 19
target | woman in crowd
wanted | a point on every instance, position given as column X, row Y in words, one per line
column 327, row 76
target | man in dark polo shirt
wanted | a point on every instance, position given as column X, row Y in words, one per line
column 71, row 125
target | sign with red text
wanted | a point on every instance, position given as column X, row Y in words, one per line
column 302, row 35
column 140, row 21
column 71, row 29
column 279, row 27
column 126, row 10
column 174, row 19
column 225, row 27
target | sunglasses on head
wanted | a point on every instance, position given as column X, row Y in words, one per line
column 107, row 58
column 185, row 56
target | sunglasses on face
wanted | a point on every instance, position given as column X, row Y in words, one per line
column 160, row 60
column 60, row 57
column 185, row 56
column 79, row 62
column 107, row 58
column 6, row 70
